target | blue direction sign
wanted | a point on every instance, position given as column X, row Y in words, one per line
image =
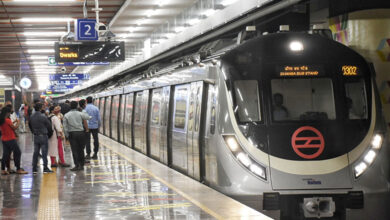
column 85, row 29
column 56, row 89
column 71, row 76
column 65, row 82
column 52, row 62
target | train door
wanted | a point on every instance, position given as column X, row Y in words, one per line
column 114, row 117
column 107, row 117
column 122, row 118
column 145, row 111
column 194, row 129
column 128, row 120
column 164, row 119
column 154, row 128
column 209, row 151
column 138, row 121
column 179, row 128
column 101, row 112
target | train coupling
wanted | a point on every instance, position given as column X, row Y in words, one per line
column 318, row 207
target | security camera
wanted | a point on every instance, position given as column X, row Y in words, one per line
column 101, row 28
column 63, row 69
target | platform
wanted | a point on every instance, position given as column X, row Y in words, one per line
column 121, row 184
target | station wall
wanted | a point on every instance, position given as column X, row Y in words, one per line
column 368, row 33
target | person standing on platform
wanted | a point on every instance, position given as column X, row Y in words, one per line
column 82, row 105
column 55, row 141
column 93, row 125
column 41, row 128
column 65, row 107
column 61, row 140
column 74, row 131
column 9, row 141
column 22, row 127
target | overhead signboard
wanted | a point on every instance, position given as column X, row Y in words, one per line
column 85, row 29
column 58, row 89
column 71, row 76
column 66, row 82
column 89, row 51
column 54, row 87
column 52, row 62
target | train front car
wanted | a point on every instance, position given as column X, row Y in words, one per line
column 302, row 121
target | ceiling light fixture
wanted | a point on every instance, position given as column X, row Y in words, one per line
column 44, row 34
column 228, row 2
column 37, row 57
column 51, row 1
column 140, row 21
column 40, row 51
column 39, row 20
column 151, row 12
column 162, row 3
column 38, row 43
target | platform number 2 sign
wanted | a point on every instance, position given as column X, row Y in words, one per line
column 86, row 29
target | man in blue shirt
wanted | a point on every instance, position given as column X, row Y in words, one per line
column 93, row 125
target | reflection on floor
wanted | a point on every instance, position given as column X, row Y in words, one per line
column 111, row 187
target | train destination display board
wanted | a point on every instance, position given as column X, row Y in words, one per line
column 299, row 71
column 89, row 52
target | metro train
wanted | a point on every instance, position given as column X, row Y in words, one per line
column 289, row 123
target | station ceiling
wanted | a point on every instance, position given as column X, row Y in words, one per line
column 29, row 28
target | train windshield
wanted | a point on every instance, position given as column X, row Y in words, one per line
column 302, row 99
column 356, row 100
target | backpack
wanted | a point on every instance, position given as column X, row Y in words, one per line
column 50, row 131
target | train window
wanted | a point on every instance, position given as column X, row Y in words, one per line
column 138, row 103
column 302, row 99
column 181, row 108
column 156, row 102
column 356, row 101
column 247, row 100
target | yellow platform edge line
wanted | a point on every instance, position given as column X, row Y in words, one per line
column 48, row 206
column 197, row 203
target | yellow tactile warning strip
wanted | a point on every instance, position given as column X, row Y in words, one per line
column 151, row 207
column 118, row 181
column 48, row 207
column 200, row 205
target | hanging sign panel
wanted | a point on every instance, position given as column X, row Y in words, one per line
column 85, row 29
column 89, row 52
column 52, row 62
column 72, row 76
column 66, row 82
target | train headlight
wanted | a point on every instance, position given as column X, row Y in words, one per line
column 243, row 158
column 232, row 143
column 360, row 168
column 369, row 157
column 258, row 170
column 376, row 142
column 296, row 46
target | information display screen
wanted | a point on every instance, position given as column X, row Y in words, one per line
column 89, row 52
